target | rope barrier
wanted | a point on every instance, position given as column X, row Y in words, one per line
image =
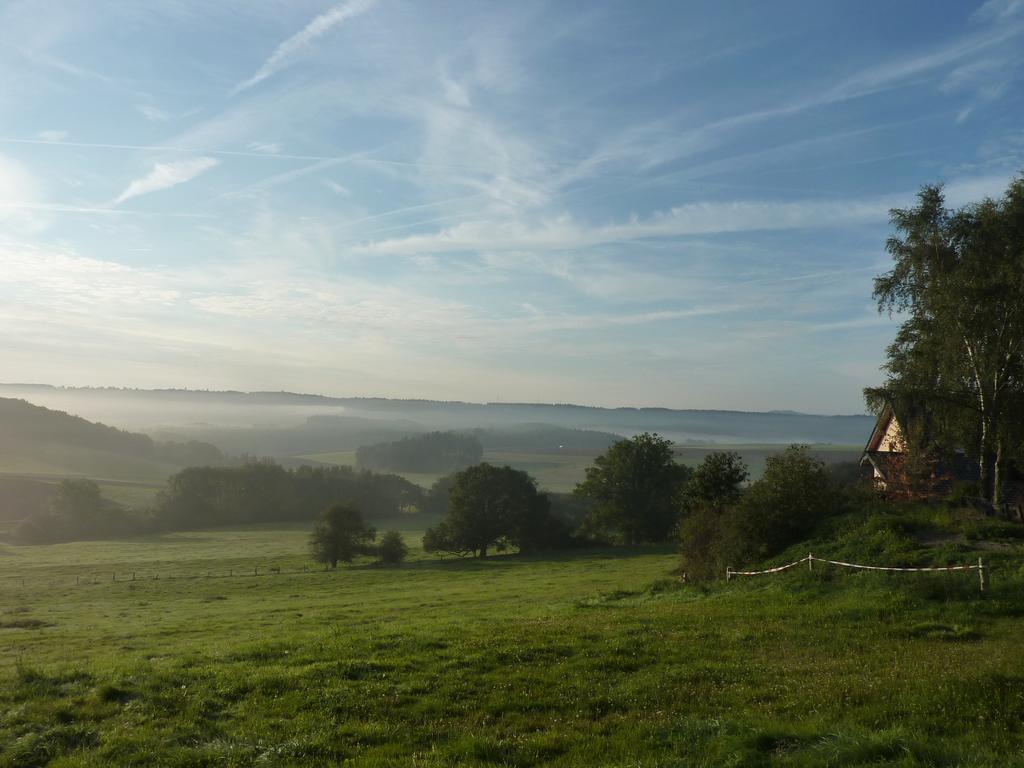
column 980, row 567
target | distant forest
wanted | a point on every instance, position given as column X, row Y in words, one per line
column 204, row 497
column 432, row 452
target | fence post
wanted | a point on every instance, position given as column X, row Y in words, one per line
column 133, row 575
column 728, row 573
column 810, row 562
column 982, row 575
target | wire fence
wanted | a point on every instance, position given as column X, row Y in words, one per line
column 980, row 567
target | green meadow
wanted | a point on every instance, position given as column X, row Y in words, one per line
column 593, row 657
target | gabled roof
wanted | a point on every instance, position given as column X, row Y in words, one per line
column 881, row 427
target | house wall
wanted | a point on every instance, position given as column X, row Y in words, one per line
column 892, row 440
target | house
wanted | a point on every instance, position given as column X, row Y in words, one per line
column 897, row 476
column 886, row 449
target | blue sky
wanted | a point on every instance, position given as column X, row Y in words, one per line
column 678, row 204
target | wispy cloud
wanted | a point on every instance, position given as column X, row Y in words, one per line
column 265, row 147
column 318, row 27
column 565, row 233
column 153, row 114
column 999, row 10
column 165, row 176
column 53, row 135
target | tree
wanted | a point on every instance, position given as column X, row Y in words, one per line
column 958, row 276
column 635, row 485
column 340, row 535
column 718, row 478
column 488, row 507
column 77, row 503
column 713, row 488
column 392, row 548
column 794, row 494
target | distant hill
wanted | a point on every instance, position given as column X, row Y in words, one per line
column 39, row 441
column 189, row 412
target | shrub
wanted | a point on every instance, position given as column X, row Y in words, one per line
column 793, row 497
column 392, row 548
column 701, row 542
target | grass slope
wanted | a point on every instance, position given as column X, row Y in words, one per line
column 594, row 658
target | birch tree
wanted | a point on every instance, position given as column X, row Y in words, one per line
column 958, row 281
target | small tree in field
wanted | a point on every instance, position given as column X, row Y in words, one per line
column 340, row 534
column 392, row 548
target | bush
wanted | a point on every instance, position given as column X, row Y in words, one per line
column 701, row 542
column 392, row 548
column 784, row 506
column 793, row 497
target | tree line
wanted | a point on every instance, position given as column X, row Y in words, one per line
column 431, row 452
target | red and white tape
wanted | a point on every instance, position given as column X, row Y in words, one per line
column 729, row 572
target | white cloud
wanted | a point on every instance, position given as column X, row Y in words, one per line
column 52, row 135
column 165, row 176
column 318, row 27
column 153, row 114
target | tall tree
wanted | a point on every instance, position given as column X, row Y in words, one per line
column 635, row 485
column 958, row 357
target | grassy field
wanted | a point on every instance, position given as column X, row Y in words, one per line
column 589, row 658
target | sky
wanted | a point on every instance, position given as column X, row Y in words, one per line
column 674, row 204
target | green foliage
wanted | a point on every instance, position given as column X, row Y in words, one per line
column 392, row 548
column 718, row 479
column 340, row 535
column 76, row 510
column 435, row 501
column 635, row 488
column 201, row 497
column 793, row 497
column 701, row 535
column 957, row 364
column 432, row 452
column 493, row 507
